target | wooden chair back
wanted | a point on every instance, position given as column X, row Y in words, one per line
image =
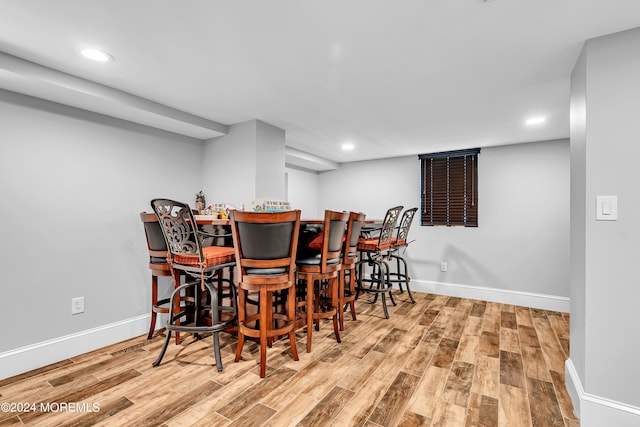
column 354, row 225
column 266, row 243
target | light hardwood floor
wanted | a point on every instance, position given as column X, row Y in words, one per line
column 444, row 361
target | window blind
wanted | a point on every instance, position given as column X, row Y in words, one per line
column 450, row 188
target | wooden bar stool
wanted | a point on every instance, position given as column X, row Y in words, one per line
column 350, row 257
column 320, row 274
column 158, row 265
column 265, row 246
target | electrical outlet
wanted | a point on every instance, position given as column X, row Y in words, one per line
column 444, row 266
column 77, row 305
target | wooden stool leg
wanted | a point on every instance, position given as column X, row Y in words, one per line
column 176, row 305
column 154, row 302
column 264, row 326
column 310, row 294
column 352, row 287
column 291, row 313
column 241, row 317
column 333, row 295
column 341, row 289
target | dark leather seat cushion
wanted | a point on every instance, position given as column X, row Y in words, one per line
column 315, row 260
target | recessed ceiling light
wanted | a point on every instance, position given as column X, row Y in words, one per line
column 535, row 120
column 96, row 55
column 348, row 146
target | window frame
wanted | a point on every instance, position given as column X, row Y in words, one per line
column 449, row 188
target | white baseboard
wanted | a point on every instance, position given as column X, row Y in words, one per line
column 24, row 359
column 504, row 296
column 596, row 411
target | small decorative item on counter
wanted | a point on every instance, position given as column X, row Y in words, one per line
column 270, row 205
column 200, row 203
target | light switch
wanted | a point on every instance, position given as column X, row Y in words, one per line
column 606, row 208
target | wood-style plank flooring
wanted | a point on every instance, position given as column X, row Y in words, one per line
column 444, row 361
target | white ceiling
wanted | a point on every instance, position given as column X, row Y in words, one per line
column 395, row 78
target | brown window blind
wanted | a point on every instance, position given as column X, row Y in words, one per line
column 450, row 188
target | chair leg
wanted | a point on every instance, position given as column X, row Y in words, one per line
column 341, row 290
column 215, row 314
column 406, row 278
column 385, row 286
column 239, row 348
column 388, row 284
column 310, row 303
column 241, row 317
column 176, row 302
column 154, row 302
column 352, row 291
column 384, row 306
column 333, row 289
column 264, row 325
column 176, row 293
column 403, row 275
column 410, row 294
column 292, row 318
column 164, row 349
column 316, row 302
column 393, row 301
column 400, row 272
column 216, row 351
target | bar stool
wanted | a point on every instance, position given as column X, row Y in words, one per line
column 319, row 273
column 350, row 257
column 399, row 243
column 265, row 246
column 157, row 264
column 202, row 267
column 374, row 253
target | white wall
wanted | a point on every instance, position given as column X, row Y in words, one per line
column 228, row 166
column 522, row 243
column 270, row 170
column 604, row 280
column 302, row 192
column 578, row 217
column 73, row 184
column 246, row 164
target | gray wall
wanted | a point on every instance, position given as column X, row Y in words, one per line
column 604, row 280
column 231, row 155
column 302, row 192
column 578, row 215
column 73, row 184
column 246, row 164
column 522, row 242
column 270, row 170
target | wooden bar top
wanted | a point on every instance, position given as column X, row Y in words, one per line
column 214, row 220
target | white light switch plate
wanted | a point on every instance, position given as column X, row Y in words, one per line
column 606, row 208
